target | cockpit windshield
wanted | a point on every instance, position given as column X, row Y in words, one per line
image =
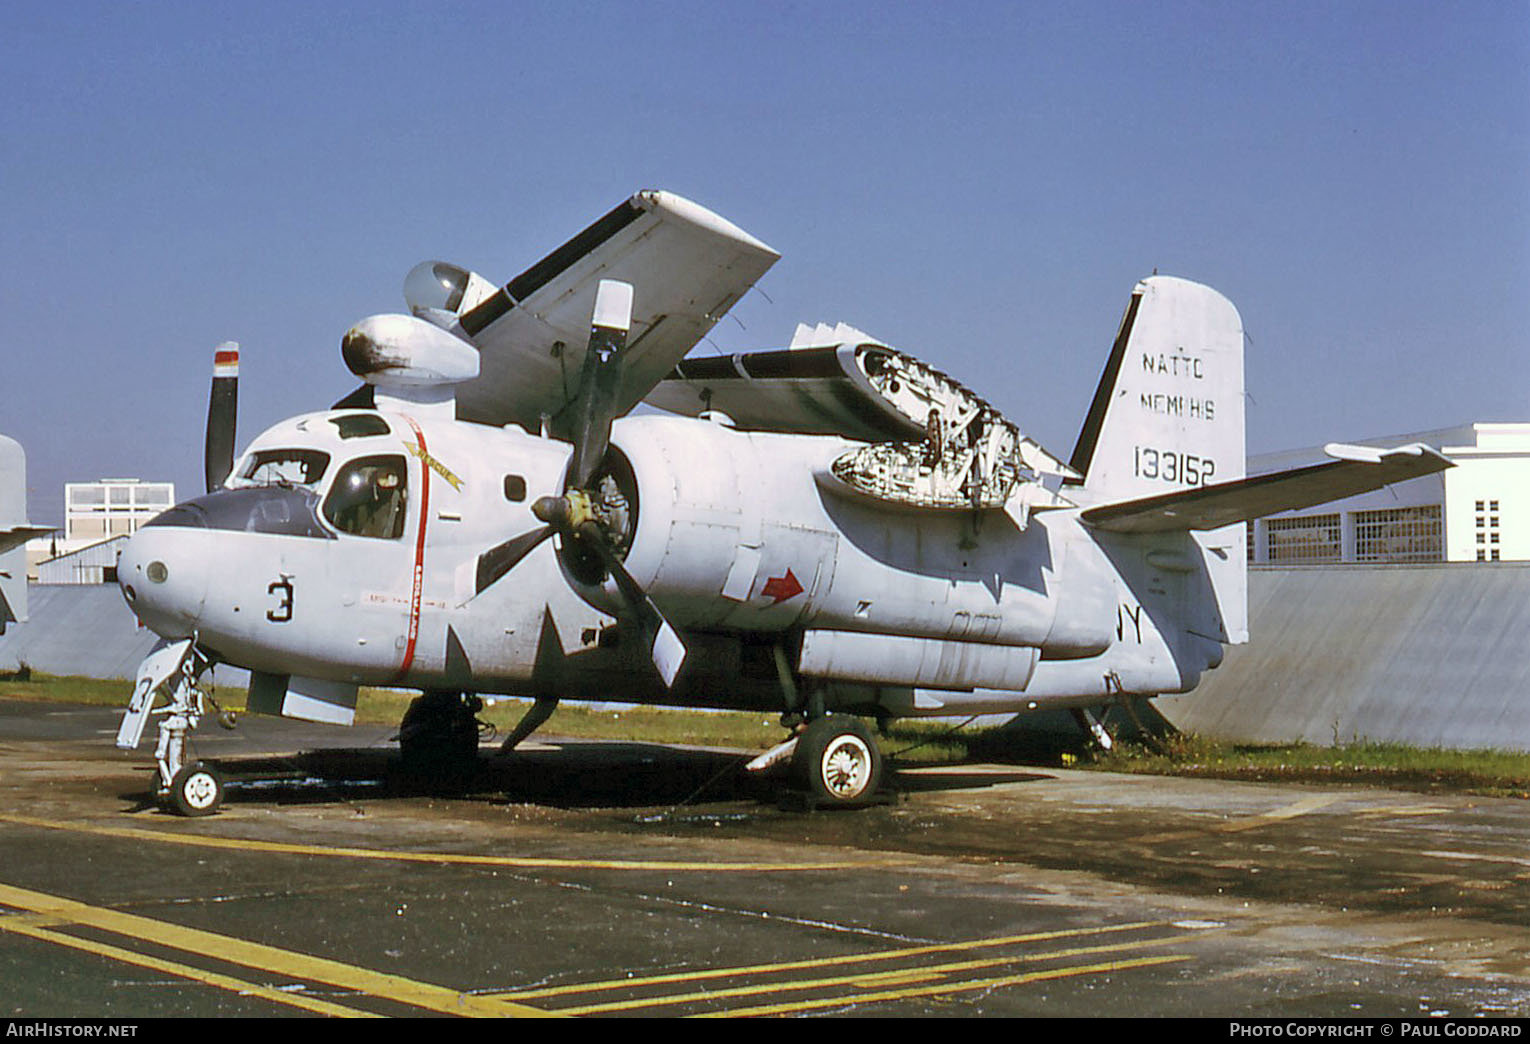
column 369, row 497
column 285, row 467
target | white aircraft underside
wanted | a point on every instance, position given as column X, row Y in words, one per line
column 831, row 528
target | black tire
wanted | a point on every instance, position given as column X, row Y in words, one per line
column 837, row 762
column 439, row 734
column 196, row 790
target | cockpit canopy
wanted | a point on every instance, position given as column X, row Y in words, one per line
column 369, row 497
column 294, row 491
column 284, row 467
column 440, row 286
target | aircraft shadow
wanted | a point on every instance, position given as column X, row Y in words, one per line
column 570, row 775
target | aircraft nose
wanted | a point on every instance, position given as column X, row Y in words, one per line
column 163, row 581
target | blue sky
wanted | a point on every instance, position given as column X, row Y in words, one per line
column 977, row 183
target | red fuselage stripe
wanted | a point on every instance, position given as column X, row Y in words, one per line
column 419, row 557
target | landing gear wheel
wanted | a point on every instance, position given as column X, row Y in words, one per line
column 837, row 762
column 196, row 790
column 439, row 733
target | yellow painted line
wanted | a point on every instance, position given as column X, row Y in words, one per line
column 792, row 1007
column 452, row 858
column 1479, row 857
column 820, row 962
column 287, row 963
column 1300, row 808
column 871, row 979
column 1402, row 810
column 1233, row 826
column 186, row 971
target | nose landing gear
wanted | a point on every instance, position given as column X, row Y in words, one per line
column 196, row 790
column 172, row 668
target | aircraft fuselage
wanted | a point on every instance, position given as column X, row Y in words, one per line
column 343, row 548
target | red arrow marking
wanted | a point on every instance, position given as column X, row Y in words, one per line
column 780, row 588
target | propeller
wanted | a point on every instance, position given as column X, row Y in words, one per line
column 222, row 412
column 592, row 508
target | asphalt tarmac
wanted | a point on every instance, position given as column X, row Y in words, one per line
column 594, row 878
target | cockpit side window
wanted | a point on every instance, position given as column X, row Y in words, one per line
column 369, row 497
column 360, row 425
column 285, row 467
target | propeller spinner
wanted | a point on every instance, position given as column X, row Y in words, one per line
column 593, row 514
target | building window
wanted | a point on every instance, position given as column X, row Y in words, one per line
column 1413, row 534
column 1488, row 526
column 1308, row 540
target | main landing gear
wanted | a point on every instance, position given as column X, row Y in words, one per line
column 837, row 762
column 833, row 762
column 439, row 733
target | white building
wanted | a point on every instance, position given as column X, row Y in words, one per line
column 95, row 514
column 1477, row 511
column 112, row 507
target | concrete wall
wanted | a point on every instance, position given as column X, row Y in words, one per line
column 83, row 630
column 1435, row 655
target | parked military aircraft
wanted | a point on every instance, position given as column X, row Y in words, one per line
column 14, row 532
column 831, row 530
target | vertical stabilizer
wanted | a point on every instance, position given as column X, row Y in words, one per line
column 15, row 531
column 1168, row 414
column 1167, row 417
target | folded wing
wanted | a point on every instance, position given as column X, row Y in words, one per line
column 688, row 267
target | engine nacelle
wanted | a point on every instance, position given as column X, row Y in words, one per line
column 730, row 531
column 402, row 351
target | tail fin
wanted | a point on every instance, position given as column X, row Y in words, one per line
column 14, row 532
column 1168, row 414
column 1168, row 417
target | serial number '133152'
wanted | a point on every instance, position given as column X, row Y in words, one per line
column 1171, row 466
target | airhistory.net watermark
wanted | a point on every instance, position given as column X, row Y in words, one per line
column 41, row 1028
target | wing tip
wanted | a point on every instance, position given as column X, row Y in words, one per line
column 1374, row 455
column 679, row 207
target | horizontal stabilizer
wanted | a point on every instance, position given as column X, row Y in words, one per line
column 15, row 536
column 1355, row 469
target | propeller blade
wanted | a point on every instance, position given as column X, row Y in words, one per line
column 494, row 563
column 595, row 406
column 222, row 413
column 666, row 648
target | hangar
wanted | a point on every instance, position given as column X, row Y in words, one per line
column 1478, row 511
column 1396, row 616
